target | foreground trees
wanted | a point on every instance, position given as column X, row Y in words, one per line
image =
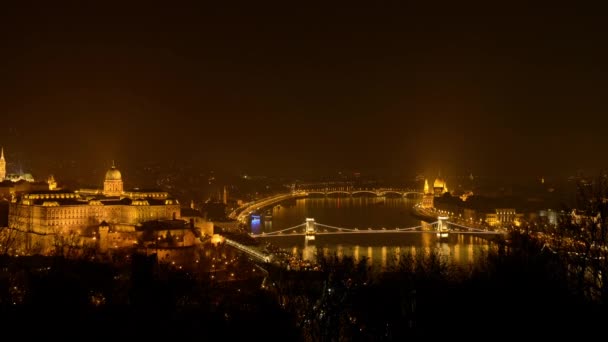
column 580, row 240
column 520, row 289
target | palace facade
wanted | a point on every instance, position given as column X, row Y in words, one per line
column 80, row 213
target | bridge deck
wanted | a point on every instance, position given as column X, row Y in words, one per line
column 249, row 250
column 379, row 232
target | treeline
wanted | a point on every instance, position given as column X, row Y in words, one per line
column 519, row 289
column 132, row 297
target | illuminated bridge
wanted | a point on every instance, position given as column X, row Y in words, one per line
column 310, row 229
column 242, row 212
column 441, row 227
column 380, row 192
column 251, row 251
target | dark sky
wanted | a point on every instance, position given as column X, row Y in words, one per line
column 299, row 87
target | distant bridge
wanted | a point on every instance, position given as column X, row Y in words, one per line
column 380, row 192
column 251, row 251
column 243, row 211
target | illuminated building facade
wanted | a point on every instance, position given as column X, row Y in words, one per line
column 427, row 197
column 113, row 186
column 504, row 216
column 440, row 187
column 48, row 213
column 2, row 166
column 13, row 177
column 52, row 183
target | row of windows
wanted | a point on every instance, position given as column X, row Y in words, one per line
column 82, row 215
column 50, row 196
column 146, row 194
column 67, row 222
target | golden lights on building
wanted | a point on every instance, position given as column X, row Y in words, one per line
column 427, row 197
column 13, row 177
column 440, row 187
column 2, row 165
column 504, row 216
column 113, row 186
column 52, row 212
column 52, row 183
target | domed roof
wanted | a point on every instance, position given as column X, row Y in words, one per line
column 439, row 183
column 113, row 174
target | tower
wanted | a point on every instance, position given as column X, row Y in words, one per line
column 428, row 196
column 104, row 229
column 2, row 166
column 113, row 186
column 225, row 196
column 442, row 227
column 440, row 186
column 52, row 183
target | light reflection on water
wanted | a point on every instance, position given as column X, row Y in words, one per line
column 383, row 250
column 386, row 252
column 256, row 226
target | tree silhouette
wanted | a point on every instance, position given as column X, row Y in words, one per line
column 582, row 241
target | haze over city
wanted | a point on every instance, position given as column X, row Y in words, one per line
column 303, row 171
column 305, row 89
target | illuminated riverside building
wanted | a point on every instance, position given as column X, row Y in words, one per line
column 427, row 197
column 440, row 187
column 80, row 213
column 504, row 216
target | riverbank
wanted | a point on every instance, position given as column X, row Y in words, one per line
column 241, row 213
column 427, row 215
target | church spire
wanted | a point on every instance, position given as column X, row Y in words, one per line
column 2, row 166
column 113, row 166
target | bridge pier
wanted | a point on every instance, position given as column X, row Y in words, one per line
column 311, row 229
column 309, row 237
column 442, row 227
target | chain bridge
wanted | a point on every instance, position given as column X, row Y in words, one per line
column 442, row 227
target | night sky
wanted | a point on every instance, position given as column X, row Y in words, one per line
column 292, row 88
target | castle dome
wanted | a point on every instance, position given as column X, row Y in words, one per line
column 113, row 174
column 439, row 183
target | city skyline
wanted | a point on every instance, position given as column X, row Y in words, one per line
column 265, row 89
column 303, row 171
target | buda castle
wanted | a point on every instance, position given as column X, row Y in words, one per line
column 82, row 212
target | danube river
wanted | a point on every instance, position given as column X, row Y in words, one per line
column 378, row 213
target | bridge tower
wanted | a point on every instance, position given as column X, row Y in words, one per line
column 442, row 227
column 311, row 229
column 310, row 250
